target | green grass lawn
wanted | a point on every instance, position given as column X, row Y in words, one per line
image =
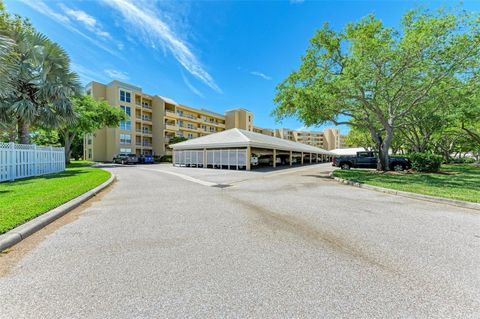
column 460, row 182
column 25, row 199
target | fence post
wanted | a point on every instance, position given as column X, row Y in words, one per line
column 34, row 160
column 51, row 160
column 13, row 162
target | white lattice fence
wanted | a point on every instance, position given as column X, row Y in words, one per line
column 231, row 158
column 25, row 160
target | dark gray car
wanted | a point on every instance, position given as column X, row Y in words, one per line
column 125, row 159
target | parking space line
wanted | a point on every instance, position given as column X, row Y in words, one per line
column 183, row 176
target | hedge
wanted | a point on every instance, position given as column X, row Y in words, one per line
column 425, row 162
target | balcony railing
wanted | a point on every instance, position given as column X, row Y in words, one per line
column 144, row 131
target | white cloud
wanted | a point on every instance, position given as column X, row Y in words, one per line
column 260, row 74
column 191, row 87
column 64, row 20
column 80, row 15
column 86, row 75
column 117, row 75
column 43, row 8
column 155, row 30
column 87, row 20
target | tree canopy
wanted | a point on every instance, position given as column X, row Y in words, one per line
column 382, row 80
column 37, row 77
column 89, row 116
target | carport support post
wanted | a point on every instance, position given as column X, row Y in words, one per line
column 249, row 158
column 316, row 158
column 310, row 158
column 204, row 158
column 274, row 158
column 291, row 157
column 173, row 157
column 301, row 162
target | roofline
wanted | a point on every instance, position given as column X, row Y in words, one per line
column 290, row 145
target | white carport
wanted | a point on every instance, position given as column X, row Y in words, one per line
column 347, row 151
column 233, row 149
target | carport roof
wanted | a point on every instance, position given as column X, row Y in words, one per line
column 241, row 138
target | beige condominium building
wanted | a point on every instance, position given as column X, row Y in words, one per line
column 154, row 120
column 329, row 139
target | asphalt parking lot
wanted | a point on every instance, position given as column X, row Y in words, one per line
column 203, row 243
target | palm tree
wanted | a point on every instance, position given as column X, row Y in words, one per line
column 42, row 85
column 7, row 65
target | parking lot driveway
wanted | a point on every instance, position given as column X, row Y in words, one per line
column 295, row 244
column 223, row 176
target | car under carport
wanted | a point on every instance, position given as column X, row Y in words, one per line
column 233, row 149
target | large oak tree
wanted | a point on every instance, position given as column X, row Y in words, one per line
column 376, row 78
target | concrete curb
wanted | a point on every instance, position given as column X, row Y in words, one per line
column 428, row 198
column 21, row 232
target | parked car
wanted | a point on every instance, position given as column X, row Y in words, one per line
column 369, row 160
column 125, row 159
column 254, row 160
column 146, row 159
column 265, row 159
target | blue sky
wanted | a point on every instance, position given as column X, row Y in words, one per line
column 214, row 55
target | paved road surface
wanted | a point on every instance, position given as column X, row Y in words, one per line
column 294, row 244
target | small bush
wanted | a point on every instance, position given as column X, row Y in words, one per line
column 425, row 162
column 464, row 160
column 166, row 158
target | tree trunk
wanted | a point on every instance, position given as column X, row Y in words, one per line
column 12, row 134
column 68, row 139
column 23, row 132
column 383, row 151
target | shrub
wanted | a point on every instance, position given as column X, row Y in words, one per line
column 464, row 160
column 166, row 158
column 425, row 162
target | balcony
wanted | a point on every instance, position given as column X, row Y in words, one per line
column 146, row 143
column 146, row 118
column 147, row 106
column 189, row 128
column 143, row 131
column 171, row 127
column 171, row 114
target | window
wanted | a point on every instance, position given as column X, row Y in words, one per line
column 190, row 125
column 125, row 96
column 125, row 150
column 126, row 125
column 125, row 139
column 89, row 153
column 126, row 109
column 190, row 135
